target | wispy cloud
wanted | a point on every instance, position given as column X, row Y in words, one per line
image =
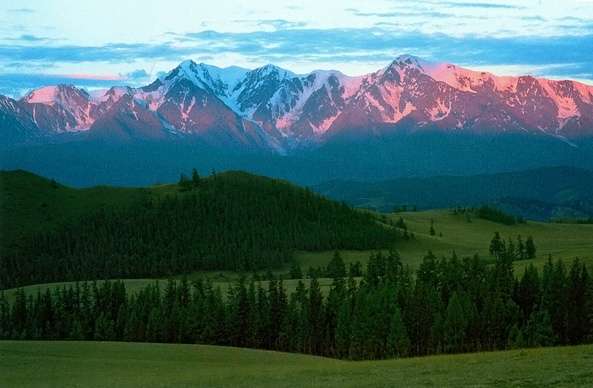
column 137, row 75
column 17, row 85
column 281, row 23
column 21, row 10
column 401, row 13
column 462, row 4
column 353, row 45
column 29, row 38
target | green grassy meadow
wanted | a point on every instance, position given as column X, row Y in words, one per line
column 562, row 241
column 110, row 364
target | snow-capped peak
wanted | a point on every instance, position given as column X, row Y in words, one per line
column 406, row 61
column 58, row 94
column 273, row 71
column 45, row 95
column 293, row 108
column 112, row 94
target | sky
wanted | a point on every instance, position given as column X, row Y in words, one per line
column 96, row 44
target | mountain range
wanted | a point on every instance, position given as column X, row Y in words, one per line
column 371, row 126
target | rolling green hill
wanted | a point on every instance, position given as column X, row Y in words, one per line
column 562, row 241
column 30, row 203
column 232, row 220
column 100, row 364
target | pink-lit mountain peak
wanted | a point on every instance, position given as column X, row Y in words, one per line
column 278, row 107
column 58, row 94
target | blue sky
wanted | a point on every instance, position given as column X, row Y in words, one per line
column 98, row 43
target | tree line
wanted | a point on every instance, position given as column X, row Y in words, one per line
column 231, row 221
column 522, row 250
column 447, row 305
column 489, row 213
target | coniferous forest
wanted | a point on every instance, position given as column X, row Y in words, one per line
column 231, row 221
column 448, row 305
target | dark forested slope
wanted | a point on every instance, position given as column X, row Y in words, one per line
column 541, row 194
column 232, row 220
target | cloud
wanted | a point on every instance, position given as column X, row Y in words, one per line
column 407, row 13
column 332, row 47
column 137, row 75
column 17, row 85
column 277, row 24
column 280, row 23
column 21, row 10
column 30, row 38
column 480, row 5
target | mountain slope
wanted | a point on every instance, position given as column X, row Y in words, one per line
column 273, row 109
column 535, row 194
column 411, row 118
column 231, row 220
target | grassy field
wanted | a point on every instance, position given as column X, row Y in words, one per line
column 108, row 364
column 564, row 241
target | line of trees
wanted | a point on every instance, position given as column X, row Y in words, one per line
column 517, row 251
column 448, row 305
column 230, row 221
column 489, row 213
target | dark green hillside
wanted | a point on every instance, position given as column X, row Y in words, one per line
column 230, row 221
column 30, row 203
column 539, row 194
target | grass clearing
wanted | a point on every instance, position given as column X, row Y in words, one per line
column 562, row 241
column 100, row 364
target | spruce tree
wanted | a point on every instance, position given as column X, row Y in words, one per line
column 578, row 281
column 295, row 270
column 530, row 249
column 521, row 251
column 315, row 317
column 455, row 325
column 497, row 245
column 336, row 267
column 398, row 342
column 184, row 183
column 195, row 178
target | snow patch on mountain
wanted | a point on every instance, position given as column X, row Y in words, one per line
column 46, row 95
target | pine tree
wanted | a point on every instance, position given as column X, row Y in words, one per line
column 5, row 324
column 355, row 269
column 336, row 267
column 295, row 271
column 104, row 328
column 578, row 281
column 401, row 224
column 455, row 325
column 516, row 338
column 315, row 317
column 521, row 251
column 511, row 252
column 19, row 314
column 539, row 329
column 528, row 293
column 195, row 178
column 184, row 183
column 398, row 343
column 497, row 245
column 343, row 330
column 530, row 249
